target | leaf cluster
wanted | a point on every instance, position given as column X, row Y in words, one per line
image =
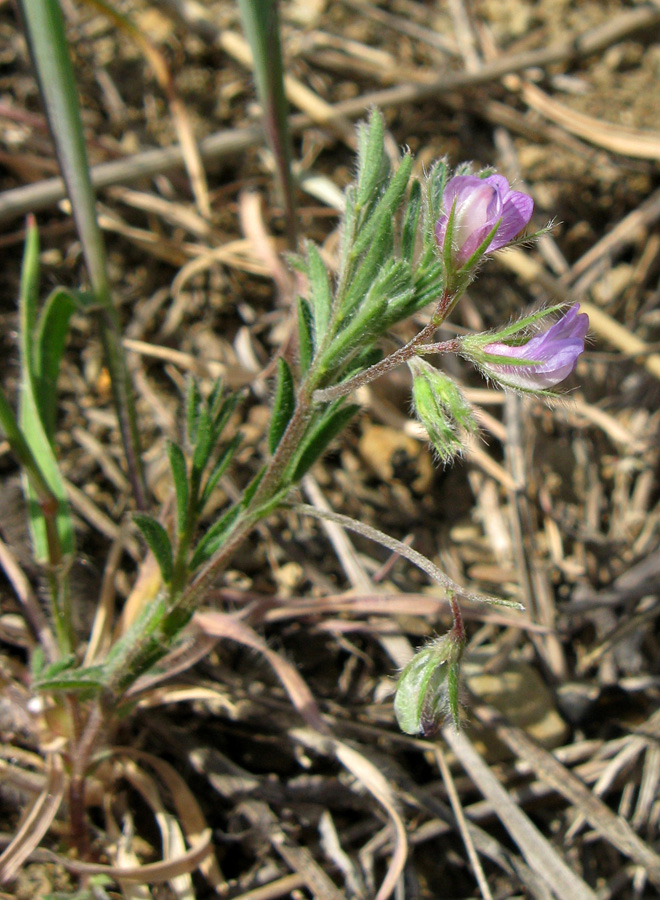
column 194, row 478
column 388, row 266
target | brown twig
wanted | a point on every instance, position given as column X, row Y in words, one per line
column 44, row 194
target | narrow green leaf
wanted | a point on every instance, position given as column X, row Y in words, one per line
column 158, row 542
column 203, row 443
column 305, row 340
column 396, row 283
column 366, row 271
column 320, row 292
column 427, row 288
column 347, row 234
column 68, row 661
column 213, row 538
column 219, row 469
column 214, row 402
column 283, row 404
column 411, row 221
column 30, row 420
column 90, row 678
column 193, row 407
column 146, row 624
column 435, row 188
column 260, row 21
column 50, row 56
column 298, row 262
column 49, row 342
column 364, row 324
column 388, row 205
column 373, row 163
column 44, row 26
column 321, row 434
column 180, row 479
column 222, row 414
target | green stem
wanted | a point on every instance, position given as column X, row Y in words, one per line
column 135, row 653
column 401, row 355
column 271, row 482
column 184, row 539
column 130, row 660
column 183, row 601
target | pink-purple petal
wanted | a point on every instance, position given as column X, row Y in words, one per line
column 478, row 205
column 516, row 213
column 553, row 355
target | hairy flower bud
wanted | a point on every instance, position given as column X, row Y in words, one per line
column 474, row 209
column 540, row 363
column 428, row 687
column 440, row 406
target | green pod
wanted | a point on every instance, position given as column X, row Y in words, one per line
column 421, row 695
column 427, row 689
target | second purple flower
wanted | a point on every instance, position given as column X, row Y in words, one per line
column 475, row 206
column 551, row 356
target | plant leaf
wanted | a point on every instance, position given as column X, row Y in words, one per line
column 219, row 469
column 411, row 221
column 193, row 406
column 283, row 404
column 364, row 324
column 213, row 538
column 367, row 268
column 305, row 339
column 435, row 188
column 203, row 443
column 388, row 205
column 73, row 679
column 324, row 431
column 320, row 293
column 44, row 27
column 180, row 479
column 158, row 542
column 373, row 163
column 30, row 420
column 49, row 342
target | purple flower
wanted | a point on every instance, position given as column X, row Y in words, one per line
column 553, row 355
column 477, row 205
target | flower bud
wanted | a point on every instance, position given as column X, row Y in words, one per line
column 428, row 687
column 539, row 363
column 440, row 406
column 479, row 215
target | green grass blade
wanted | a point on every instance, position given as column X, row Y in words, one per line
column 262, row 29
column 50, row 56
column 44, row 27
column 48, row 346
column 31, row 422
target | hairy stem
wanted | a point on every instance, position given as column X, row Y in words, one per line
column 413, row 556
column 83, row 745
